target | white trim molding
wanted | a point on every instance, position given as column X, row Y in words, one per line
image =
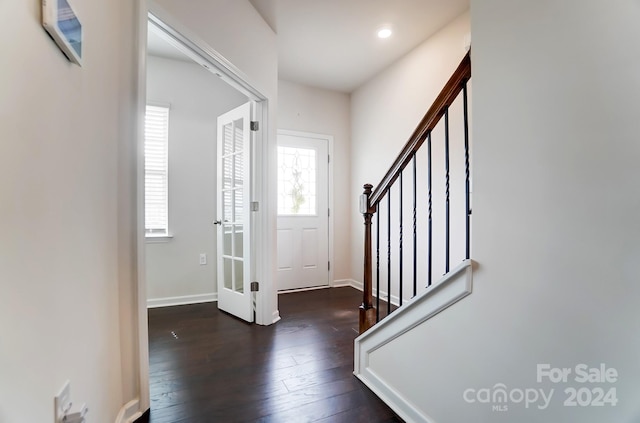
column 130, row 412
column 182, row 300
column 453, row 287
column 141, row 315
column 275, row 316
column 311, row 288
column 395, row 300
column 339, row 283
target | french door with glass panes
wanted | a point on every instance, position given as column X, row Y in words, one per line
column 233, row 205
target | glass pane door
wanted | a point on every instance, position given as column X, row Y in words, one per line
column 233, row 191
column 233, row 196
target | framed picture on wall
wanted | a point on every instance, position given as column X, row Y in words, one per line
column 61, row 22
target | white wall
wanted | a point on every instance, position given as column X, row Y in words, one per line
column 64, row 132
column 555, row 218
column 196, row 98
column 309, row 109
column 234, row 29
column 385, row 111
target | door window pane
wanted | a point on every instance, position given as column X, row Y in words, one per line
column 239, row 275
column 238, row 135
column 228, row 273
column 227, row 206
column 227, row 141
column 296, row 181
column 227, row 172
column 227, row 234
column 238, row 238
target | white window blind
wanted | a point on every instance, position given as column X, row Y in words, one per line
column 156, row 164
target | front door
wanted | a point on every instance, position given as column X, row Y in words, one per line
column 233, row 220
column 303, row 212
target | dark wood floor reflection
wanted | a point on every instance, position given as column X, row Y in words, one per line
column 206, row 366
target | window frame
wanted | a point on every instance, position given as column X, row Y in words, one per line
column 161, row 233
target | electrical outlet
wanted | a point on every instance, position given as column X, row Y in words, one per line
column 203, row 258
column 62, row 401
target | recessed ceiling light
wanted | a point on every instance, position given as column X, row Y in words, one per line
column 384, row 33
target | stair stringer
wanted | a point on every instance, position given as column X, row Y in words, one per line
column 450, row 289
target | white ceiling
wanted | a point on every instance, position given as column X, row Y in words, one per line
column 332, row 44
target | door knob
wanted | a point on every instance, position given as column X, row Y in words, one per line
column 217, row 222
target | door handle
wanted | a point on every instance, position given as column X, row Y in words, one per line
column 217, row 222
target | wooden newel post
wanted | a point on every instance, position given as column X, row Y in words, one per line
column 367, row 311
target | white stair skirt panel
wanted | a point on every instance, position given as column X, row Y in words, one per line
column 453, row 287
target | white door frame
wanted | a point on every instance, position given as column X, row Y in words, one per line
column 148, row 11
column 329, row 139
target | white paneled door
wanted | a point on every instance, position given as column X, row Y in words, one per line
column 303, row 211
column 233, row 220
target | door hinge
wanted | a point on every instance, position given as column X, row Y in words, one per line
column 328, row 212
column 255, row 206
column 328, row 265
column 255, row 287
column 255, row 125
column 328, row 158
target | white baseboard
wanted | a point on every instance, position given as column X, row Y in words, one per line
column 358, row 285
column 275, row 316
column 311, row 288
column 339, row 283
column 129, row 412
column 395, row 400
column 395, row 300
column 186, row 299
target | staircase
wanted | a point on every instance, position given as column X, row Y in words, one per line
column 417, row 232
column 379, row 201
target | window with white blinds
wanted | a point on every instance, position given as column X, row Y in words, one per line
column 156, row 166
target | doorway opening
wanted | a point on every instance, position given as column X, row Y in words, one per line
column 254, row 187
column 304, row 222
column 181, row 262
column 211, row 189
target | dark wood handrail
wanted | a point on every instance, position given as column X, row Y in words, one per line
column 370, row 199
column 426, row 125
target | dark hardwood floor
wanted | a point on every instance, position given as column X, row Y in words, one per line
column 206, row 366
